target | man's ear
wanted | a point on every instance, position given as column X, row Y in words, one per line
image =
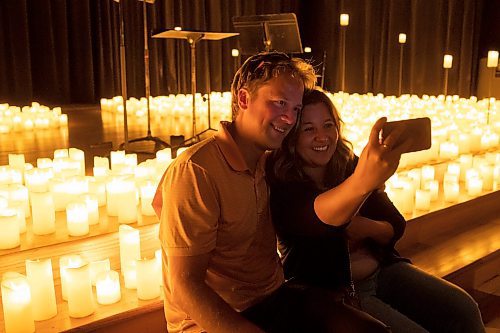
column 243, row 99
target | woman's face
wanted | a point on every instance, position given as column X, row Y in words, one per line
column 318, row 135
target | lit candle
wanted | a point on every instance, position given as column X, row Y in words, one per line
column 37, row 179
column 448, row 150
column 433, row 187
column 147, row 279
column 130, row 251
column 80, row 296
column 447, row 61
column 77, row 219
column 97, row 267
column 43, row 213
column 428, row 173
column 451, row 191
column 78, row 155
column 43, row 295
column 474, row 186
column 108, row 287
column 402, row 38
column 422, row 199
column 16, row 161
column 344, row 20
column 65, row 262
column 148, row 190
column 18, row 207
column 487, row 176
column 454, row 169
column 127, row 199
column 92, row 204
column 117, row 160
column 465, row 164
column 16, row 301
column 492, row 59
column 61, row 153
column 235, row 52
column 9, row 226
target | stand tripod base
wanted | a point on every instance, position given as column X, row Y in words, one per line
column 159, row 143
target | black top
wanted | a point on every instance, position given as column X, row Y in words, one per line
column 314, row 252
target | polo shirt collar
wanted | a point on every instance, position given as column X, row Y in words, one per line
column 229, row 149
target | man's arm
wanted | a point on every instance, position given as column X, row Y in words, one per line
column 204, row 306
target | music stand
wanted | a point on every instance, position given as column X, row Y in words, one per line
column 277, row 32
column 193, row 37
column 158, row 142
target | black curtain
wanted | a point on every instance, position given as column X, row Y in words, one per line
column 67, row 51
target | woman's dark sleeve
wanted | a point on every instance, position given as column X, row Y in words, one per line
column 292, row 208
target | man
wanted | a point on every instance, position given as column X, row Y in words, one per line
column 221, row 269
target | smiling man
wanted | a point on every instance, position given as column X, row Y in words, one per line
column 221, row 269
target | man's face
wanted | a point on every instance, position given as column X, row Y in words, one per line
column 270, row 112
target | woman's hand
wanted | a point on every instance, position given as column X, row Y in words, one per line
column 362, row 228
column 379, row 160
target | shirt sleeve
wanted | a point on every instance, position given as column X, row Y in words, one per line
column 190, row 211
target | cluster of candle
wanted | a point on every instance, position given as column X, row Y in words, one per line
column 31, row 297
column 174, row 112
column 27, row 118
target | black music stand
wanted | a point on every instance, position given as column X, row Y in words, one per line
column 158, row 142
column 193, row 37
column 273, row 32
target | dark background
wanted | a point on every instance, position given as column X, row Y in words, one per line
column 67, row 51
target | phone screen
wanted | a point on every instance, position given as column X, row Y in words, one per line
column 417, row 129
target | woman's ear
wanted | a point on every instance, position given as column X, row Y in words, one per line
column 243, row 98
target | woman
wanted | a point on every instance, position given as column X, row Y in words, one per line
column 337, row 228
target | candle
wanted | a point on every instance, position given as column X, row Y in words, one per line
column 402, row 38
column 78, row 155
column 451, row 191
column 113, row 188
column 9, row 226
column 147, row 190
column 428, row 173
column 61, row 153
column 20, row 215
column 37, row 179
column 43, row 295
column 97, row 188
column 16, row 301
column 448, row 150
column 147, row 279
column 447, row 61
column 77, row 219
column 117, row 160
column 344, row 20
column 474, row 186
column 127, row 199
column 465, row 164
column 17, row 161
column 18, row 194
column 108, row 287
column 454, row 169
column 422, row 199
column 487, row 176
column 80, row 296
column 65, row 262
column 97, row 267
column 130, row 251
column 92, row 204
column 44, row 216
column 433, row 187
column 492, row 59
column 235, row 52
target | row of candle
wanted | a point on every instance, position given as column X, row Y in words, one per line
column 31, row 297
column 467, row 177
column 27, row 118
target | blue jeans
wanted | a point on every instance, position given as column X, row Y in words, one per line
column 411, row 300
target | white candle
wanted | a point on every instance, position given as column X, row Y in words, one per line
column 44, row 216
column 344, row 20
column 61, row 153
column 97, row 188
column 108, row 287
column 16, row 301
column 147, row 279
column 18, row 207
column 474, row 187
column 433, row 187
column 451, row 191
column 492, row 59
column 235, row 52
column 130, row 251
column 43, row 295
column 423, row 199
column 97, row 267
column 448, row 150
column 117, row 160
column 454, row 169
column 19, row 194
column 447, row 61
column 92, row 204
column 78, row 155
column 65, row 262
column 77, row 219
column 465, row 164
column 113, row 188
column 487, row 176
column 147, row 190
column 80, row 296
column 9, row 226
column 402, row 38
column 428, row 173
column 127, row 198
column 16, row 161
column 37, row 179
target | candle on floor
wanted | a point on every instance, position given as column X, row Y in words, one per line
column 43, row 296
column 9, row 226
column 43, row 213
column 108, row 287
column 80, row 296
column 97, row 267
column 77, row 219
column 16, row 301
column 147, row 279
column 130, row 251
column 65, row 262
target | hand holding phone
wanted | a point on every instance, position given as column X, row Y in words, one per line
column 414, row 134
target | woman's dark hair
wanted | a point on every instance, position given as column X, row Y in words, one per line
column 286, row 164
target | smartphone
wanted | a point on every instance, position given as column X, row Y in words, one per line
column 418, row 129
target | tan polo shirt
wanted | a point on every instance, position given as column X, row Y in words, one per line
column 212, row 203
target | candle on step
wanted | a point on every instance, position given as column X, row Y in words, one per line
column 9, row 226
column 77, row 219
column 422, row 199
column 130, row 251
column 43, row 296
column 16, row 301
column 80, row 296
column 147, row 279
column 65, row 262
column 43, row 213
column 108, row 287
column 97, row 267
